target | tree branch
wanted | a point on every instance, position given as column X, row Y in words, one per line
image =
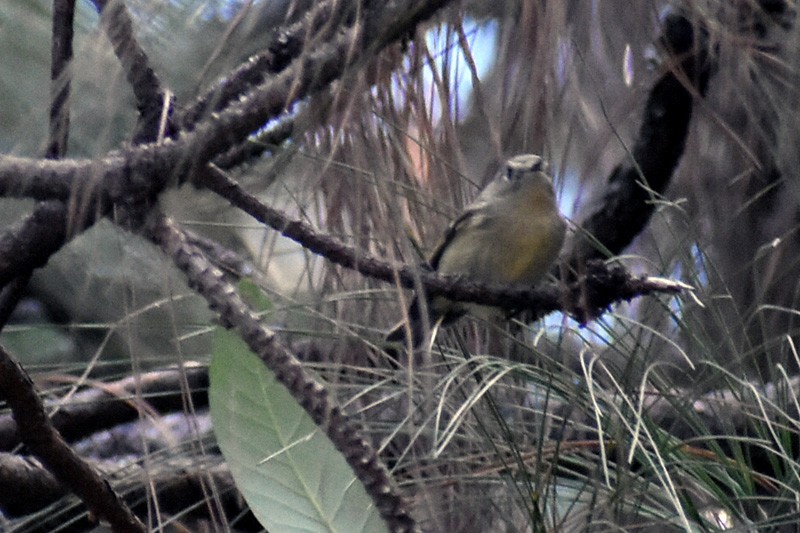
column 46, row 444
column 314, row 398
column 598, row 288
column 60, row 77
column 181, row 483
column 637, row 182
column 97, row 409
column 318, row 25
column 151, row 97
column 136, row 175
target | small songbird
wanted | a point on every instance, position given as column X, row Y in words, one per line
column 512, row 233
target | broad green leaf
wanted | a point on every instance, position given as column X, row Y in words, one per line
column 254, row 296
column 289, row 472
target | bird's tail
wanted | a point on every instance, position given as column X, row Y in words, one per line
column 398, row 340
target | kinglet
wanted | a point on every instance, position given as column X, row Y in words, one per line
column 512, row 233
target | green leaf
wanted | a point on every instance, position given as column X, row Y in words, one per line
column 254, row 296
column 289, row 472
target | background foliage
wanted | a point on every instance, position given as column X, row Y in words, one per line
column 665, row 412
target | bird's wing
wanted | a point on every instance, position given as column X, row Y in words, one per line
column 474, row 216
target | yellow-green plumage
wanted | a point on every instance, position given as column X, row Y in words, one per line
column 511, row 233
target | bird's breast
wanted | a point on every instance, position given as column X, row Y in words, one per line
column 504, row 249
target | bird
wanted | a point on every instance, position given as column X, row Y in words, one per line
column 512, row 233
